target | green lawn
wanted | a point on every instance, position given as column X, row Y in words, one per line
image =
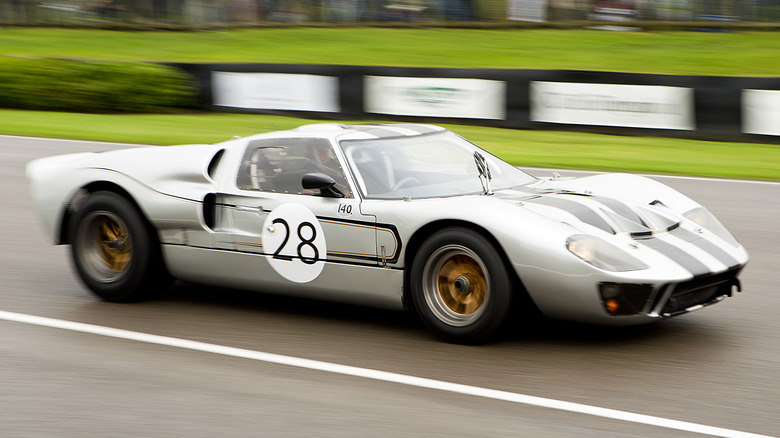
column 525, row 148
column 678, row 52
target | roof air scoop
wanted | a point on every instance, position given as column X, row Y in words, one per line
column 211, row 170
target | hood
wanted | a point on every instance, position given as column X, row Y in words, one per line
column 587, row 212
column 635, row 212
column 609, row 203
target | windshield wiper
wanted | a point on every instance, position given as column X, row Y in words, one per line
column 484, row 172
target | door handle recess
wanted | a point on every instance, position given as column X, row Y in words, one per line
column 257, row 210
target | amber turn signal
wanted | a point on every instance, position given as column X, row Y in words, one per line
column 611, row 305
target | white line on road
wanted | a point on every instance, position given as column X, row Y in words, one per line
column 378, row 375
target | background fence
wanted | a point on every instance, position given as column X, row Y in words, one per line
column 698, row 107
column 202, row 13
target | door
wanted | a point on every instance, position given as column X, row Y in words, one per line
column 297, row 231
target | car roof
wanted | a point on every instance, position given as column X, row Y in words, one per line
column 374, row 131
column 338, row 131
column 365, row 132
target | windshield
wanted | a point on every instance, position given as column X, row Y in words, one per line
column 425, row 166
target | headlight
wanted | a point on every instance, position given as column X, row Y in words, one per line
column 602, row 255
column 702, row 217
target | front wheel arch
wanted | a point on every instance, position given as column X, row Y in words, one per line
column 424, row 232
column 522, row 306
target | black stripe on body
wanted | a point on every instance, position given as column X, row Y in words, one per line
column 582, row 212
column 374, row 260
column 681, row 257
column 707, row 246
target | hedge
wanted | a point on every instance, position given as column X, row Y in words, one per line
column 93, row 86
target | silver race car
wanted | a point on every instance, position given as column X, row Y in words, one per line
column 398, row 216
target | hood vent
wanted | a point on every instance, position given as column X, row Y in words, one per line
column 610, row 215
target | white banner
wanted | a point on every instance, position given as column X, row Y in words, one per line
column 276, row 91
column 435, row 97
column 634, row 106
column 527, row 10
column 761, row 112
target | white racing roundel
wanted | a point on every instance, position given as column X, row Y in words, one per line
column 293, row 238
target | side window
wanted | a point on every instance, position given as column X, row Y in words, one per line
column 279, row 165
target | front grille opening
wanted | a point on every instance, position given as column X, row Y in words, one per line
column 700, row 291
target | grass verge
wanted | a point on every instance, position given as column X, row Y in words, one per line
column 676, row 52
column 569, row 150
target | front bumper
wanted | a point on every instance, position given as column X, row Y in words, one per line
column 699, row 292
column 670, row 299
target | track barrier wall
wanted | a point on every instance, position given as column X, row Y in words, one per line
column 696, row 107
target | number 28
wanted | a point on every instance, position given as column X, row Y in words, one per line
column 305, row 242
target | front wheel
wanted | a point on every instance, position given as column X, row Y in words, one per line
column 460, row 286
column 114, row 250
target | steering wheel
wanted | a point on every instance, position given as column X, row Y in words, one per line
column 409, row 181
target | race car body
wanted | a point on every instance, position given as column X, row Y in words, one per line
column 394, row 216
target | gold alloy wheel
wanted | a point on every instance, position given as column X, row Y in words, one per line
column 112, row 241
column 455, row 285
column 461, row 284
column 105, row 246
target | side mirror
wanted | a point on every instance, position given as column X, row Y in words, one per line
column 325, row 184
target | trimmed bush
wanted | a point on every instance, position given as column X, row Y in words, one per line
column 93, row 86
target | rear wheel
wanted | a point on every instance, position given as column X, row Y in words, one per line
column 460, row 286
column 115, row 251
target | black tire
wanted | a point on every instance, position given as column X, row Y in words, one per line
column 115, row 251
column 460, row 286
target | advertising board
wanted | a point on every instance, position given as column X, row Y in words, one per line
column 276, row 91
column 634, row 106
column 527, row 10
column 435, row 97
column 761, row 112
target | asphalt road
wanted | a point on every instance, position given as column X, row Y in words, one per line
column 719, row 367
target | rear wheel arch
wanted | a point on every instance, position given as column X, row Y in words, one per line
column 78, row 198
column 114, row 247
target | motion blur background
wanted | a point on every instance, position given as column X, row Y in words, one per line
column 194, row 13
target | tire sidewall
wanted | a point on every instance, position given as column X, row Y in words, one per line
column 499, row 295
column 130, row 286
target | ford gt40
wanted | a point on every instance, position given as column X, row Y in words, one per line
column 398, row 215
